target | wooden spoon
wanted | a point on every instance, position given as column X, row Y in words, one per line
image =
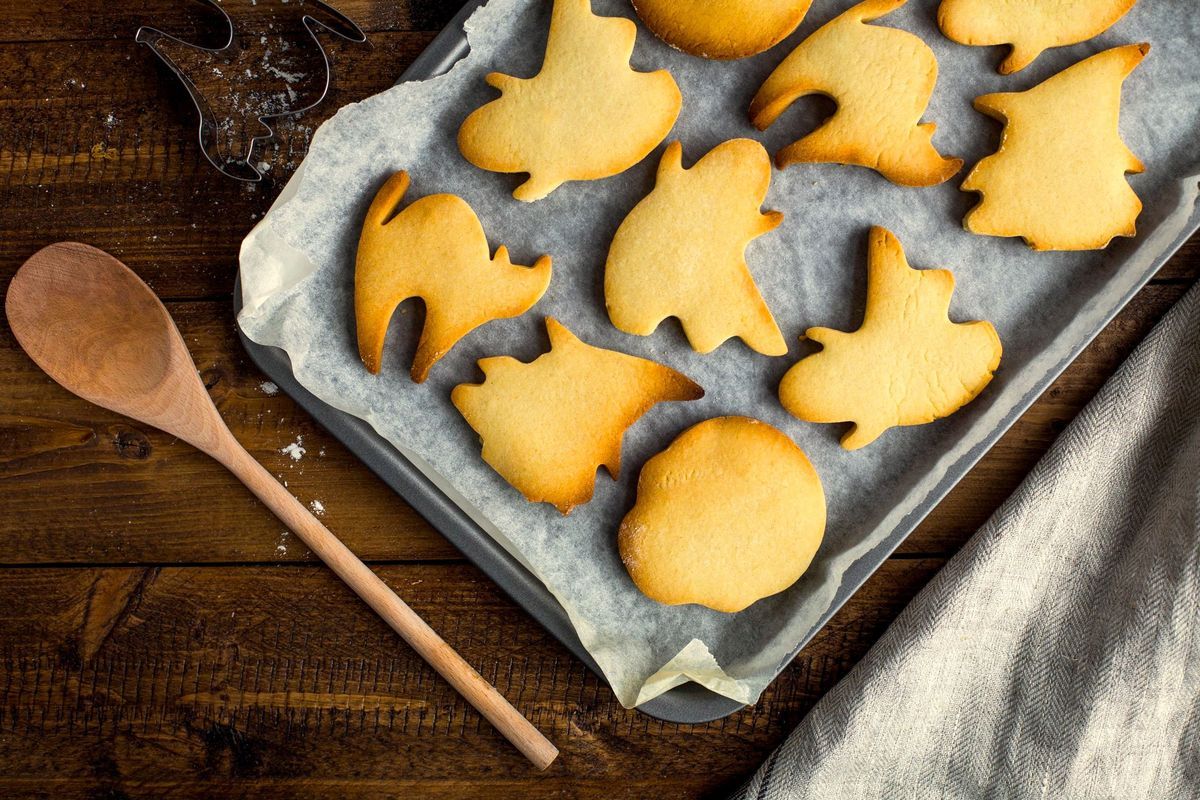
column 97, row 329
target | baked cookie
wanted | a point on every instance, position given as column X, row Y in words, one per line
column 434, row 249
column 1030, row 26
column 881, row 79
column 1058, row 178
column 730, row 513
column 908, row 364
column 681, row 251
column 722, row 29
column 587, row 114
column 548, row 425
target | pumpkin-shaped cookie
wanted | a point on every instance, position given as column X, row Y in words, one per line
column 730, row 513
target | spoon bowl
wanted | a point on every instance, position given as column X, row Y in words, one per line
column 99, row 331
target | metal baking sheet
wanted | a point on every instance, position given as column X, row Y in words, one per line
column 689, row 702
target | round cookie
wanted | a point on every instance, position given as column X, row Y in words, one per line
column 722, row 29
column 730, row 513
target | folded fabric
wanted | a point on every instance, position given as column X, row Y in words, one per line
column 1058, row 654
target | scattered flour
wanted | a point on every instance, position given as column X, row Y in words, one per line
column 295, row 449
column 287, row 77
column 269, row 388
column 317, row 507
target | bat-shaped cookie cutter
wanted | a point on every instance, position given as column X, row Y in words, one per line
column 213, row 130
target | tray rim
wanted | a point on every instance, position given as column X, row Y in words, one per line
column 689, row 702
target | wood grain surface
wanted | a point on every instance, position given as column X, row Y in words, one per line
column 161, row 635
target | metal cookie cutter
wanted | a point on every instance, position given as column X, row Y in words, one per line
column 259, row 74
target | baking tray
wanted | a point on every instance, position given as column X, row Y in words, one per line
column 689, row 702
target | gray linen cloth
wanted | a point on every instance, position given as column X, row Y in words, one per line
column 1058, row 654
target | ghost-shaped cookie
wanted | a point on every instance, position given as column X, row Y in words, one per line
column 681, row 251
column 586, row 115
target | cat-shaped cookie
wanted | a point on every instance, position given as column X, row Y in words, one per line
column 434, row 249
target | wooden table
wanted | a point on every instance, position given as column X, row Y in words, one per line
column 161, row 635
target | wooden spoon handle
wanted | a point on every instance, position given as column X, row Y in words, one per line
column 402, row 619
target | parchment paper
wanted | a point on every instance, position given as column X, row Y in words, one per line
column 297, row 274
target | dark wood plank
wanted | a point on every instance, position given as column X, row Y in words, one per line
column 98, row 143
column 194, row 682
column 83, row 485
column 195, row 21
column 106, row 112
column 122, row 492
